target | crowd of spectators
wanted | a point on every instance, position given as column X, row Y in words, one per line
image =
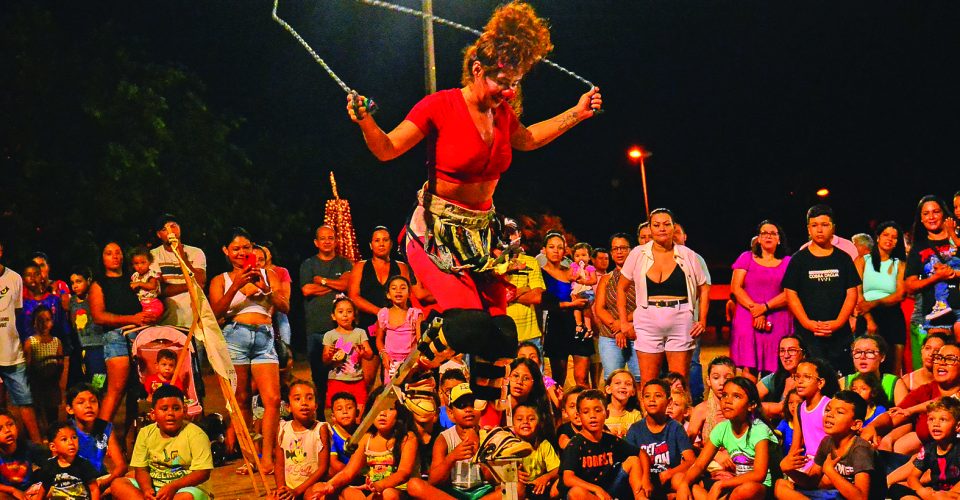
column 843, row 362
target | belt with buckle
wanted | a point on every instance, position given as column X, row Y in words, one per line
column 667, row 303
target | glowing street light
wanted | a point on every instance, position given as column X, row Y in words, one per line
column 823, row 192
column 635, row 154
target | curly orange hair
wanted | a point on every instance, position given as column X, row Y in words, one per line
column 513, row 38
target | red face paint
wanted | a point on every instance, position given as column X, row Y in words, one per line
column 508, row 93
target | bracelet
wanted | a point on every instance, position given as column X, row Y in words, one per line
column 766, row 307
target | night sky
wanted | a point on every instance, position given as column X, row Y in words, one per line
column 748, row 106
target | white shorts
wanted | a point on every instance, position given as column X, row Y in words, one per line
column 662, row 329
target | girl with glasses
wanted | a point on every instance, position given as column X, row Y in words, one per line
column 868, row 353
column 773, row 388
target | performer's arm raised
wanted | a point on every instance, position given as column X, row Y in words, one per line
column 540, row 134
column 383, row 145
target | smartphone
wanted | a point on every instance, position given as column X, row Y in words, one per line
column 250, row 261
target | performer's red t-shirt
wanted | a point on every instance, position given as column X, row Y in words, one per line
column 454, row 146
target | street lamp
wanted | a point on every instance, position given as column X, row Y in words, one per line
column 823, row 192
column 638, row 154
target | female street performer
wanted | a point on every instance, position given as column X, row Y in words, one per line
column 471, row 132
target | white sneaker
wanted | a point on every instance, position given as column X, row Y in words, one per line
column 939, row 309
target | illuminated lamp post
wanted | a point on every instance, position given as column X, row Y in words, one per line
column 637, row 155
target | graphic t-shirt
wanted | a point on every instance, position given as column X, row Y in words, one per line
column 61, row 323
column 543, row 460
column 595, row 462
column 16, row 469
column 67, row 482
column 168, row 458
column 349, row 370
column 664, row 447
column 90, row 334
column 300, row 451
column 920, row 264
column 338, row 444
column 859, row 458
column 176, row 309
column 944, row 469
column 11, row 299
column 93, row 446
column 743, row 449
column 821, row 283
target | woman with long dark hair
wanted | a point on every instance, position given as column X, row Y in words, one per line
column 245, row 298
column 761, row 318
column 882, row 292
column 929, row 272
column 773, row 388
column 559, row 339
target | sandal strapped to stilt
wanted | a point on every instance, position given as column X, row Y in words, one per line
column 501, row 444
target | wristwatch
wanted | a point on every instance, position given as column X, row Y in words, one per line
column 323, row 281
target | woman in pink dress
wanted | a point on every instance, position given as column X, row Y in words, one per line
column 761, row 318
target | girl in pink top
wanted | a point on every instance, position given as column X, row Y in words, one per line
column 398, row 327
column 815, row 381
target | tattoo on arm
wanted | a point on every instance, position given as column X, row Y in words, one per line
column 567, row 120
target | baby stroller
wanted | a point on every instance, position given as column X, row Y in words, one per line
column 148, row 343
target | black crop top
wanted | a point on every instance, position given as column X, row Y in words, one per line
column 674, row 286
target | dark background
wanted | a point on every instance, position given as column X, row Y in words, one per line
column 115, row 111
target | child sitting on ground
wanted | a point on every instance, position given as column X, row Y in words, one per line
column 663, row 440
column 171, row 456
column 345, row 416
column 938, row 459
column 571, row 417
column 678, row 408
column 869, row 387
column 707, row 414
column 385, row 455
column 528, row 349
column 843, row 463
column 17, row 457
column 65, row 474
column 539, row 470
column 598, row 463
column 96, row 440
column 748, row 441
column 303, row 446
column 146, row 282
column 623, row 409
column 453, row 472
column 166, row 364
column 785, row 427
column 448, row 380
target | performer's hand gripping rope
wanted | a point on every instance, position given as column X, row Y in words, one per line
column 359, row 103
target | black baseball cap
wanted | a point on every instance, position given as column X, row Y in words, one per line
column 163, row 219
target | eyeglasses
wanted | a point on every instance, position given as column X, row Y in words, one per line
column 523, row 379
column 865, row 354
column 804, row 377
column 769, row 233
column 790, row 351
column 620, row 249
column 946, row 360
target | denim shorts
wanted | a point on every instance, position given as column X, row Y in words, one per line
column 116, row 344
column 18, row 388
column 250, row 344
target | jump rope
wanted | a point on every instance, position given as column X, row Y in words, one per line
column 368, row 103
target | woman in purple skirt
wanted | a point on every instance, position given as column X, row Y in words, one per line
column 761, row 318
